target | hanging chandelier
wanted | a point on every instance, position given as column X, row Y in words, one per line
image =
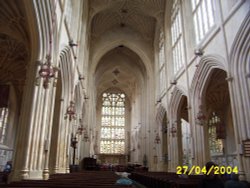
column 201, row 118
column 85, row 136
column 165, row 126
column 71, row 112
column 47, row 71
column 73, row 142
column 80, row 130
column 157, row 139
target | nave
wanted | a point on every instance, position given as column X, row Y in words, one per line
column 156, row 84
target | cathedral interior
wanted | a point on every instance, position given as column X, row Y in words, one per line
column 156, row 84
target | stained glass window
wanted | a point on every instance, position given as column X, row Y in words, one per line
column 215, row 144
column 3, row 123
column 113, row 123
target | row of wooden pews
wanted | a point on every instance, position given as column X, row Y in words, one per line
column 86, row 179
column 165, row 180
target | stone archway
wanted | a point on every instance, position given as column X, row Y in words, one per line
column 239, row 82
column 199, row 83
column 162, row 127
column 219, row 130
column 178, row 121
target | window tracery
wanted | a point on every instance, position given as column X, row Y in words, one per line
column 203, row 16
column 113, row 123
column 177, row 39
column 3, row 123
column 162, row 70
column 215, row 143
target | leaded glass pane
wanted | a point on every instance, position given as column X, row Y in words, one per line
column 176, row 32
column 216, row 145
column 113, row 123
column 3, row 123
column 203, row 17
column 161, row 63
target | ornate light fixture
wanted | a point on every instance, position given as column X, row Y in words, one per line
column 73, row 145
column 47, row 71
column 201, row 118
column 165, row 126
column 71, row 112
column 157, row 138
column 72, row 44
column 85, row 136
column 80, row 130
column 198, row 52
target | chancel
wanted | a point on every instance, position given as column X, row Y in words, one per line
column 89, row 87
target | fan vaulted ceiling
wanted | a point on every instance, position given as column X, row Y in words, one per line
column 14, row 44
column 138, row 15
column 113, row 20
column 120, row 68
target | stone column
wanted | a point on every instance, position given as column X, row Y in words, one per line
column 29, row 151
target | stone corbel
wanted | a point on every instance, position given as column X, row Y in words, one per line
column 229, row 78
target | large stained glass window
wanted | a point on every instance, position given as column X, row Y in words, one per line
column 215, row 144
column 113, row 123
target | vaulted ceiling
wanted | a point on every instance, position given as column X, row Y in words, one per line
column 120, row 68
column 14, row 44
column 139, row 16
column 217, row 93
column 133, row 20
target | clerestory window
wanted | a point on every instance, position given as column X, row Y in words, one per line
column 177, row 37
column 203, row 16
column 162, row 70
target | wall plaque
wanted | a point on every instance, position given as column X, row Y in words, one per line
column 246, row 144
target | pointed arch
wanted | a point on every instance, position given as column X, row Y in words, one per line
column 177, row 95
column 199, row 84
column 161, row 111
column 67, row 69
column 239, row 69
column 204, row 71
column 101, row 51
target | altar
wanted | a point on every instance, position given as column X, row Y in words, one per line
column 113, row 159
